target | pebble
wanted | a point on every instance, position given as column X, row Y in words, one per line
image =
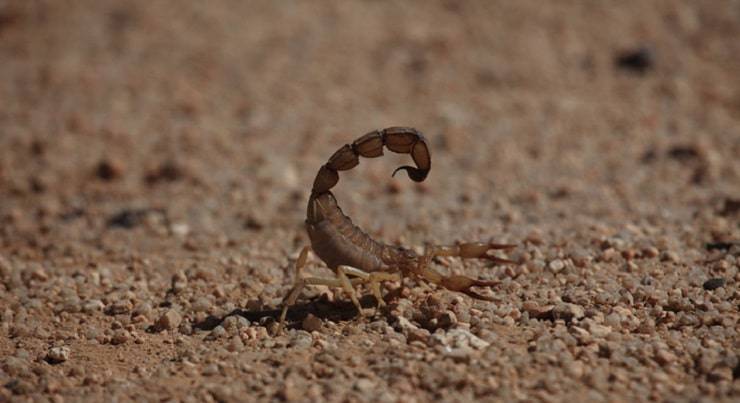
column 404, row 325
column 568, row 312
column 20, row 387
column 447, row 319
column 91, row 379
column 39, row 274
column 364, row 386
column 120, row 307
column 179, row 282
column 57, row 355
column 574, row 369
column 219, row 292
column 222, row 393
column 650, row 252
column 599, row 331
column 556, row 265
column 235, row 344
column 142, row 309
column 537, row 311
column 421, row 335
column 609, row 255
column 714, row 283
column 629, row 254
column 14, row 366
column 720, row 374
column 210, row 370
column 242, row 322
column 218, row 332
column 201, row 304
column 109, row 169
column 581, row 334
column 311, row 323
column 631, row 267
column 613, row 319
column 230, row 323
column 535, row 237
column 581, row 258
column 459, row 338
column 71, row 305
column 669, row 256
column 536, row 265
column 169, row 320
column 120, row 336
column 93, row 305
column 664, row 357
column 301, row 340
column 180, row 229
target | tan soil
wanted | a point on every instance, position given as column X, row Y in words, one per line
column 156, row 158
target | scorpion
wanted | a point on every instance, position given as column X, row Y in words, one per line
column 355, row 257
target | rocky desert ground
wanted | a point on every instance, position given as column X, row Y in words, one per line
column 156, row 158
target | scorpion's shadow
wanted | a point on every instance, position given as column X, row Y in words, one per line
column 336, row 311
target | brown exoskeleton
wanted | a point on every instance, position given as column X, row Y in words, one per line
column 356, row 258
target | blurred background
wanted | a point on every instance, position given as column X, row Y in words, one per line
column 220, row 113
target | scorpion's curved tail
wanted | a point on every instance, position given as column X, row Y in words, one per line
column 404, row 140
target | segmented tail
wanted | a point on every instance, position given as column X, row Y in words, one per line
column 402, row 140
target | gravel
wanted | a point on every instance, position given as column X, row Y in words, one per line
column 311, row 323
column 120, row 337
column 714, row 283
column 169, row 320
column 57, row 355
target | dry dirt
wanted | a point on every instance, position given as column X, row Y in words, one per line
column 156, row 158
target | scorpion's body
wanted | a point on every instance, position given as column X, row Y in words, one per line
column 349, row 251
column 337, row 241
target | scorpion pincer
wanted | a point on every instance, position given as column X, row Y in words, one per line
column 353, row 255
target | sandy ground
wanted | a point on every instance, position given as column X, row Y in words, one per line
column 156, row 159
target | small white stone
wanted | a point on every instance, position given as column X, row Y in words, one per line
column 93, row 305
column 364, row 385
column 201, row 304
column 120, row 337
column 120, row 307
column 301, row 340
column 236, row 344
column 58, row 354
column 665, row 357
column 599, row 331
column 169, row 320
column 210, row 370
column 556, row 265
column 218, row 332
column 180, row 229
column 459, row 338
column 568, row 311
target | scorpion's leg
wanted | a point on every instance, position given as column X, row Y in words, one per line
column 460, row 283
column 298, row 285
column 374, row 283
column 347, row 285
column 373, row 280
column 296, row 291
column 456, row 282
